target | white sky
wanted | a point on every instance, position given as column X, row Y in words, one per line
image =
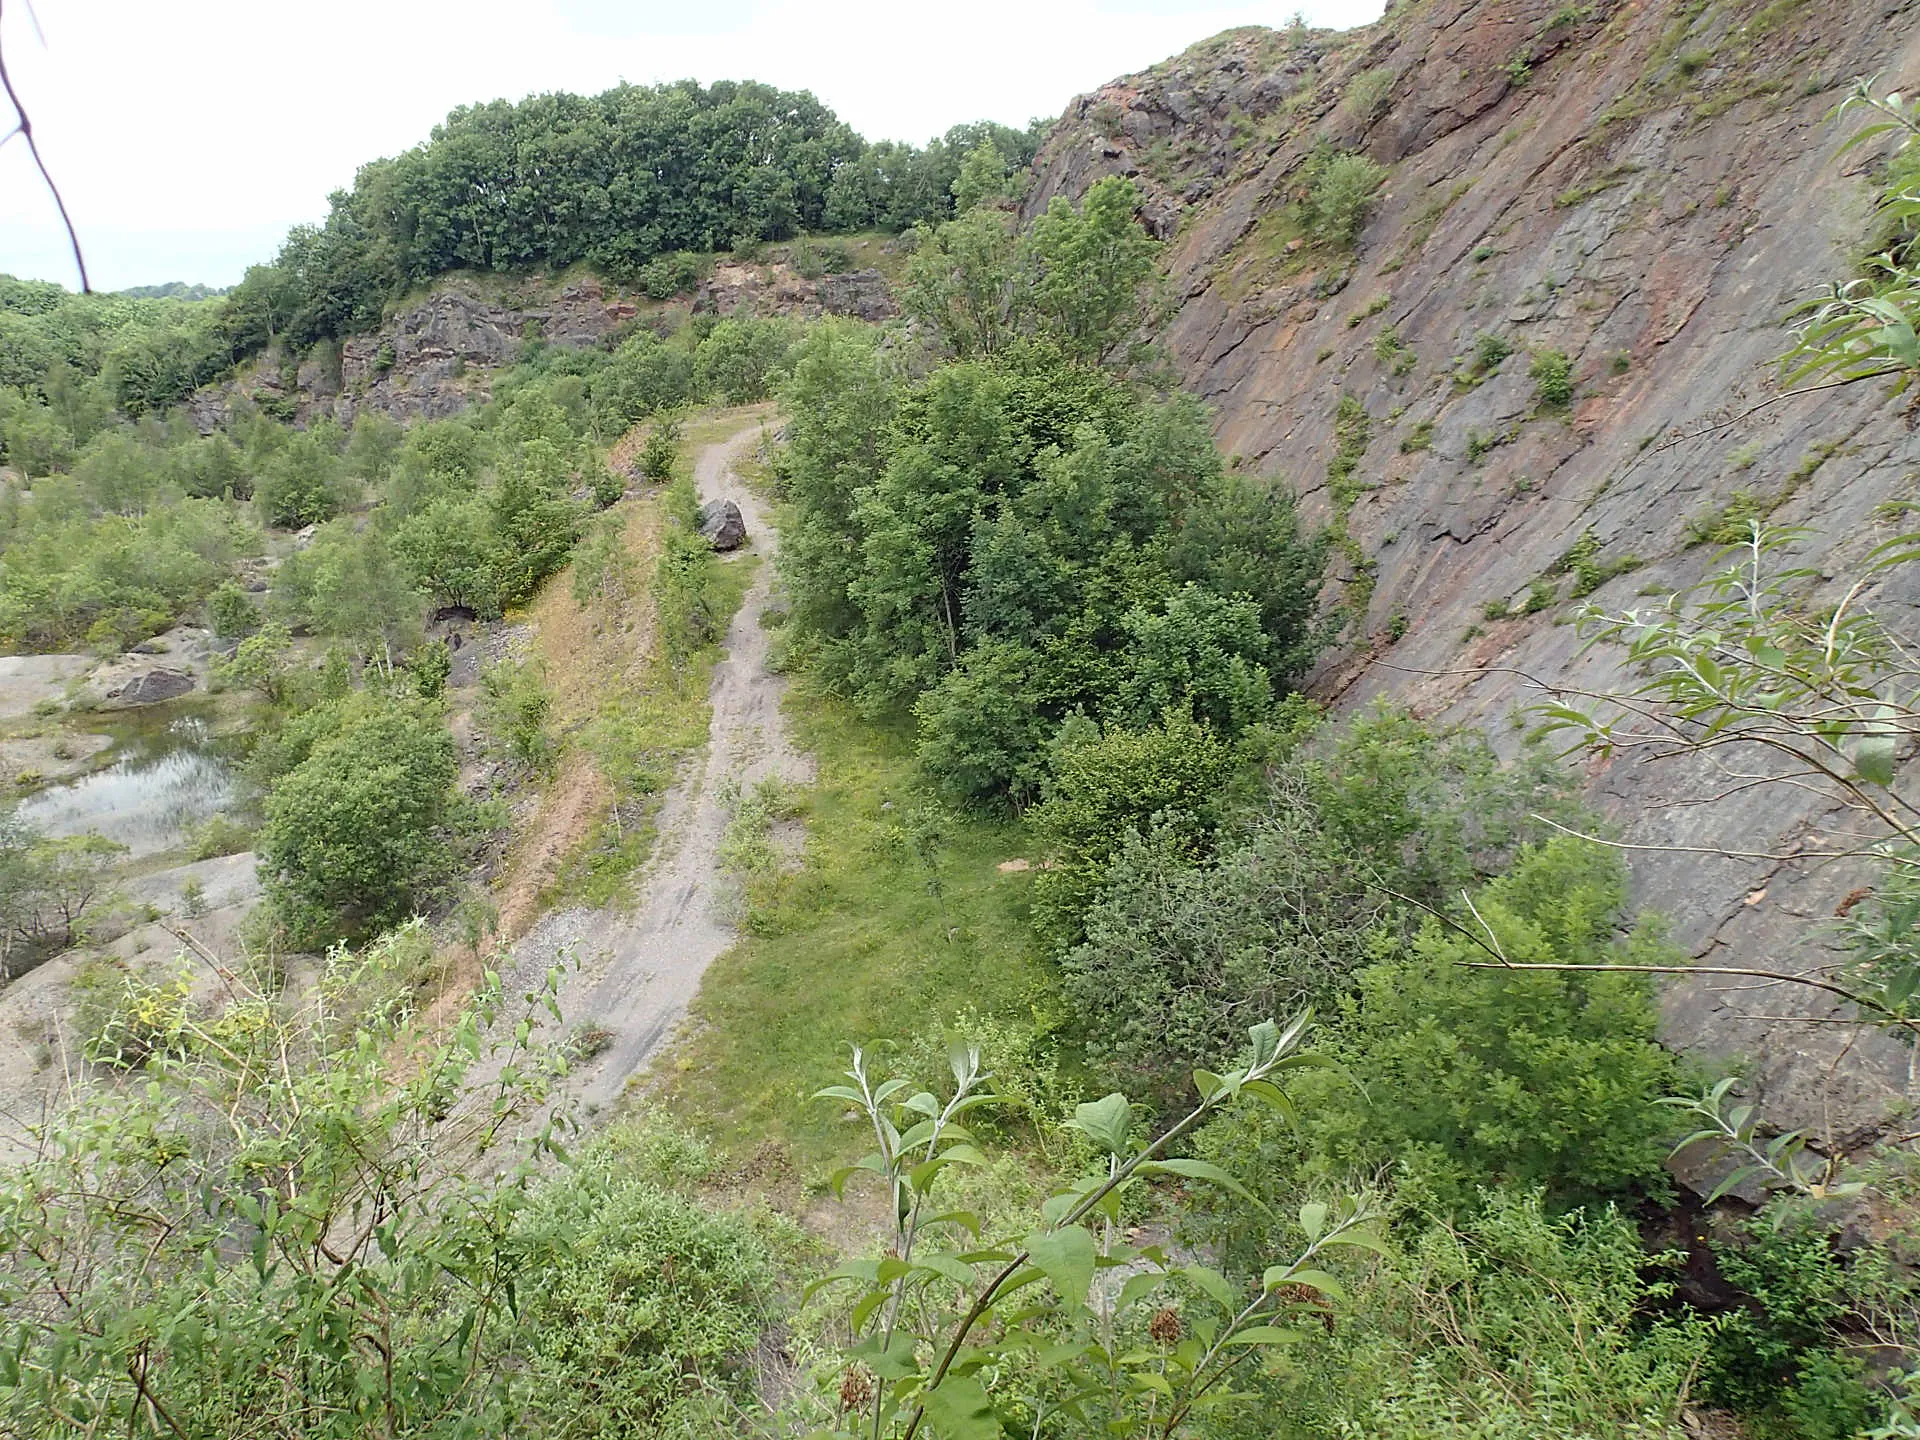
column 188, row 137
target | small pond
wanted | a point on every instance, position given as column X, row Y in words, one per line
column 169, row 773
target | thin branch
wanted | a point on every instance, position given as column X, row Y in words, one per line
column 1889, row 1017
column 25, row 129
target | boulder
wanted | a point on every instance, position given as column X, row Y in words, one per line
column 722, row 526
column 127, row 684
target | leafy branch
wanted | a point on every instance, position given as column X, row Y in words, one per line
column 1074, row 1351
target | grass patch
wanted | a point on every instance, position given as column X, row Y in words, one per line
column 894, row 921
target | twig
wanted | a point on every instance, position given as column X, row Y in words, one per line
column 25, row 130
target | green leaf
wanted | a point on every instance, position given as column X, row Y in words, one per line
column 960, row 1410
column 1262, row 1335
column 1212, row 1284
column 1363, row 1238
column 1106, row 1122
column 1201, row 1170
column 1067, row 1258
column 866, row 1270
column 1266, row 1043
column 890, row 1359
column 1313, row 1218
column 1312, row 1279
column 1138, row 1287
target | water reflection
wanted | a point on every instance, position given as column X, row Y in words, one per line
column 164, row 783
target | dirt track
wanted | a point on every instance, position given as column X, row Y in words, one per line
column 640, row 970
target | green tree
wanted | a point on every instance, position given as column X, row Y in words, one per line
column 231, row 612
column 450, row 550
column 356, row 835
column 840, row 402
column 742, row 359
column 302, row 485
column 964, row 284
column 643, row 376
column 1105, row 787
column 982, row 179
column 1088, row 268
column 260, row 662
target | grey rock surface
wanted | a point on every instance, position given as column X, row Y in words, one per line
column 127, row 684
column 722, row 526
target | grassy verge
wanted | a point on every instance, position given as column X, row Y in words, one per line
column 895, row 919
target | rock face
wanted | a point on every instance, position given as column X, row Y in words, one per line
column 1647, row 186
column 777, row 289
column 428, row 362
column 722, row 526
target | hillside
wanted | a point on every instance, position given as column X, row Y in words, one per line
column 853, row 791
column 1649, row 188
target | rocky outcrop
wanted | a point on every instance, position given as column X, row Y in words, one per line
column 778, row 289
column 431, row 360
column 722, row 526
column 1647, row 186
column 129, row 683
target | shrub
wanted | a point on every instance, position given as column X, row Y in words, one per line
column 660, row 452
column 231, row 612
column 1104, row 787
column 1777, row 1355
column 1509, row 1325
column 1181, row 947
column 515, row 705
column 1552, row 374
column 356, row 835
column 668, row 275
column 1340, row 188
column 648, row 1308
column 1470, row 1077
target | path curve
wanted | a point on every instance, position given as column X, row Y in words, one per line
column 653, row 958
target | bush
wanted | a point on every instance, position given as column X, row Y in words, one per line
column 742, row 359
column 644, row 375
column 514, row 706
column 660, row 452
column 1511, row 1325
column 231, row 612
column 1469, row 1077
column 1104, row 787
column 1779, row 1355
column 357, row 833
column 665, row 276
column 1340, row 186
column 1552, row 374
column 1315, row 870
column 648, row 1309
column 1490, row 351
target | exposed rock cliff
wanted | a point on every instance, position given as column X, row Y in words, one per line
column 437, row 357
column 430, row 360
column 1648, row 186
column 777, row 289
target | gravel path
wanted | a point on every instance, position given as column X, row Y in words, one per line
column 639, row 971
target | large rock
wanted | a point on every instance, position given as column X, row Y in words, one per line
column 722, row 526
column 129, row 683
